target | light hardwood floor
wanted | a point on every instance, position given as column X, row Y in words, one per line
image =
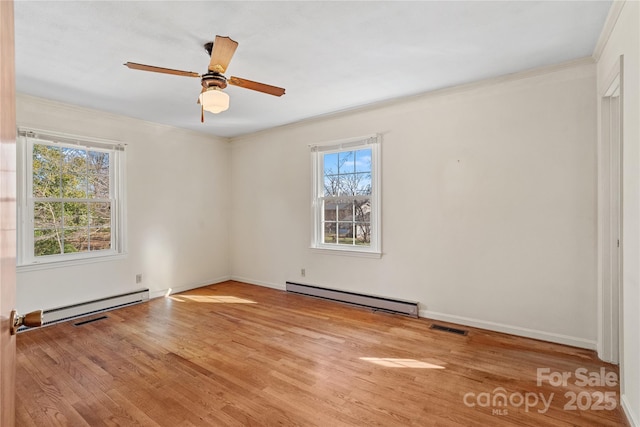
column 242, row 355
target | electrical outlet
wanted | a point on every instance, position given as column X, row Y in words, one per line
column 303, row 272
column 139, row 278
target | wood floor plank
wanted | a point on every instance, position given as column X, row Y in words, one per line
column 234, row 354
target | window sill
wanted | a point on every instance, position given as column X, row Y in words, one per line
column 68, row 263
column 347, row 252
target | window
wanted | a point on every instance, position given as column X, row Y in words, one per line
column 70, row 198
column 346, row 196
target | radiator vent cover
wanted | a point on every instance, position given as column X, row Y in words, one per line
column 407, row 308
column 448, row 329
column 70, row 312
column 95, row 319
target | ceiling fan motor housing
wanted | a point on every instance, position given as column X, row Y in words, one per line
column 212, row 79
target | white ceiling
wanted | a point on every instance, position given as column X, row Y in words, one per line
column 330, row 56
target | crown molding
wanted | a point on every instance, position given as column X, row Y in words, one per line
column 607, row 29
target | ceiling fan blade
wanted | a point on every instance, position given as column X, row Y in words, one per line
column 143, row 67
column 260, row 87
column 221, row 54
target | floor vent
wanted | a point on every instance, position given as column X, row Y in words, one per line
column 408, row 308
column 448, row 329
column 84, row 322
column 70, row 312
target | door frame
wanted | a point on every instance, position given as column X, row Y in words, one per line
column 610, row 216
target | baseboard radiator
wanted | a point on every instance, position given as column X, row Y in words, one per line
column 62, row 314
column 408, row 308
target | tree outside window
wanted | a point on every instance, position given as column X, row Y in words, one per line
column 347, row 197
column 71, row 200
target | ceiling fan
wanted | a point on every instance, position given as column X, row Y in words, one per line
column 212, row 98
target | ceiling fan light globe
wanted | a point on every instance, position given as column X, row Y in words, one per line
column 214, row 100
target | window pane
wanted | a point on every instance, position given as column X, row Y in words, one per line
column 74, row 158
column 98, row 162
column 345, row 233
column 347, row 185
column 345, row 210
column 76, row 214
column 47, row 215
column 330, row 211
column 100, row 239
column 363, row 160
column 331, row 185
column 346, row 163
column 47, row 242
column 74, row 186
column 98, row 187
column 362, row 210
column 330, row 162
column 363, row 234
column 99, row 214
column 363, row 184
column 355, row 184
column 76, row 239
column 46, row 171
column 74, row 173
column 329, row 232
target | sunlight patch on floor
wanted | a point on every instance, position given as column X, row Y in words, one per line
column 392, row 362
column 219, row 299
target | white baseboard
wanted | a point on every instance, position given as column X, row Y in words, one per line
column 626, row 407
column 178, row 289
column 278, row 286
column 513, row 330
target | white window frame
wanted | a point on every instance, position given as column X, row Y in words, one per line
column 26, row 260
column 374, row 250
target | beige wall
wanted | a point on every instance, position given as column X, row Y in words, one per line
column 489, row 204
column 177, row 185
